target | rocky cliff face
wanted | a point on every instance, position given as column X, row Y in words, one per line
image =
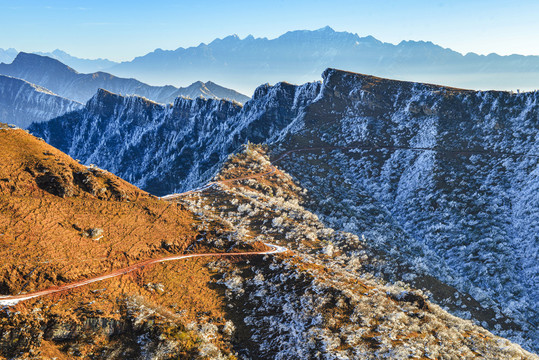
column 67, row 82
column 22, row 103
column 442, row 179
column 176, row 147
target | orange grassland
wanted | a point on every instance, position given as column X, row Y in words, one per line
column 61, row 222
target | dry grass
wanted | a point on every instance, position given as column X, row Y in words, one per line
column 47, row 240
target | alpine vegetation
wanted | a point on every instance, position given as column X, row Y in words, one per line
column 442, row 179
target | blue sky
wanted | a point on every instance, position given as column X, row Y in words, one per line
column 121, row 30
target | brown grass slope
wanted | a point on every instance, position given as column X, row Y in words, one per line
column 61, row 222
column 58, row 215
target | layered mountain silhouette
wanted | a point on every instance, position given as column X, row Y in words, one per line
column 81, row 65
column 67, row 82
column 300, row 56
column 7, row 55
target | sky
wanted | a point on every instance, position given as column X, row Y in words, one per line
column 120, row 30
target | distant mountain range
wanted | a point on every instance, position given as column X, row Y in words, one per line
column 300, row 56
column 7, row 55
column 67, row 82
column 22, row 103
column 81, row 65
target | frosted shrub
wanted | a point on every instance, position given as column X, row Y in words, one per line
column 328, row 249
column 277, row 222
column 234, row 283
column 310, row 235
column 244, row 208
column 241, row 232
column 229, row 328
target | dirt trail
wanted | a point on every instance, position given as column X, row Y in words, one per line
column 13, row 299
column 361, row 147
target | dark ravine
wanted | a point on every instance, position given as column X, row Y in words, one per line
column 474, row 178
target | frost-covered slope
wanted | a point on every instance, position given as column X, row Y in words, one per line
column 174, row 147
column 443, row 179
column 22, row 103
column 456, row 170
column 323, row 298
column 67, row 82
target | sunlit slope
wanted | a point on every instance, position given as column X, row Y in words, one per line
column 61, row 222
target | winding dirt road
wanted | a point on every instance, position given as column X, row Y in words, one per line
column 213, row 183
column 14, row 299
column 360, row 147
column 10, row 300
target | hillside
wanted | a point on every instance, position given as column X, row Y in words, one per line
column 453, row 170
column 22, row 103
column 62, row 222
column 321, row 292
column 67, row 82
column 323, row 298
column 382, row 158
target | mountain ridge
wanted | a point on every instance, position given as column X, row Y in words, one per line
column 300, row 56
column 22, row 103
column 66, row 81
column 410, row 137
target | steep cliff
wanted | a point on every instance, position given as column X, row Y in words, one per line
column 451, row 172
column 171, row 148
